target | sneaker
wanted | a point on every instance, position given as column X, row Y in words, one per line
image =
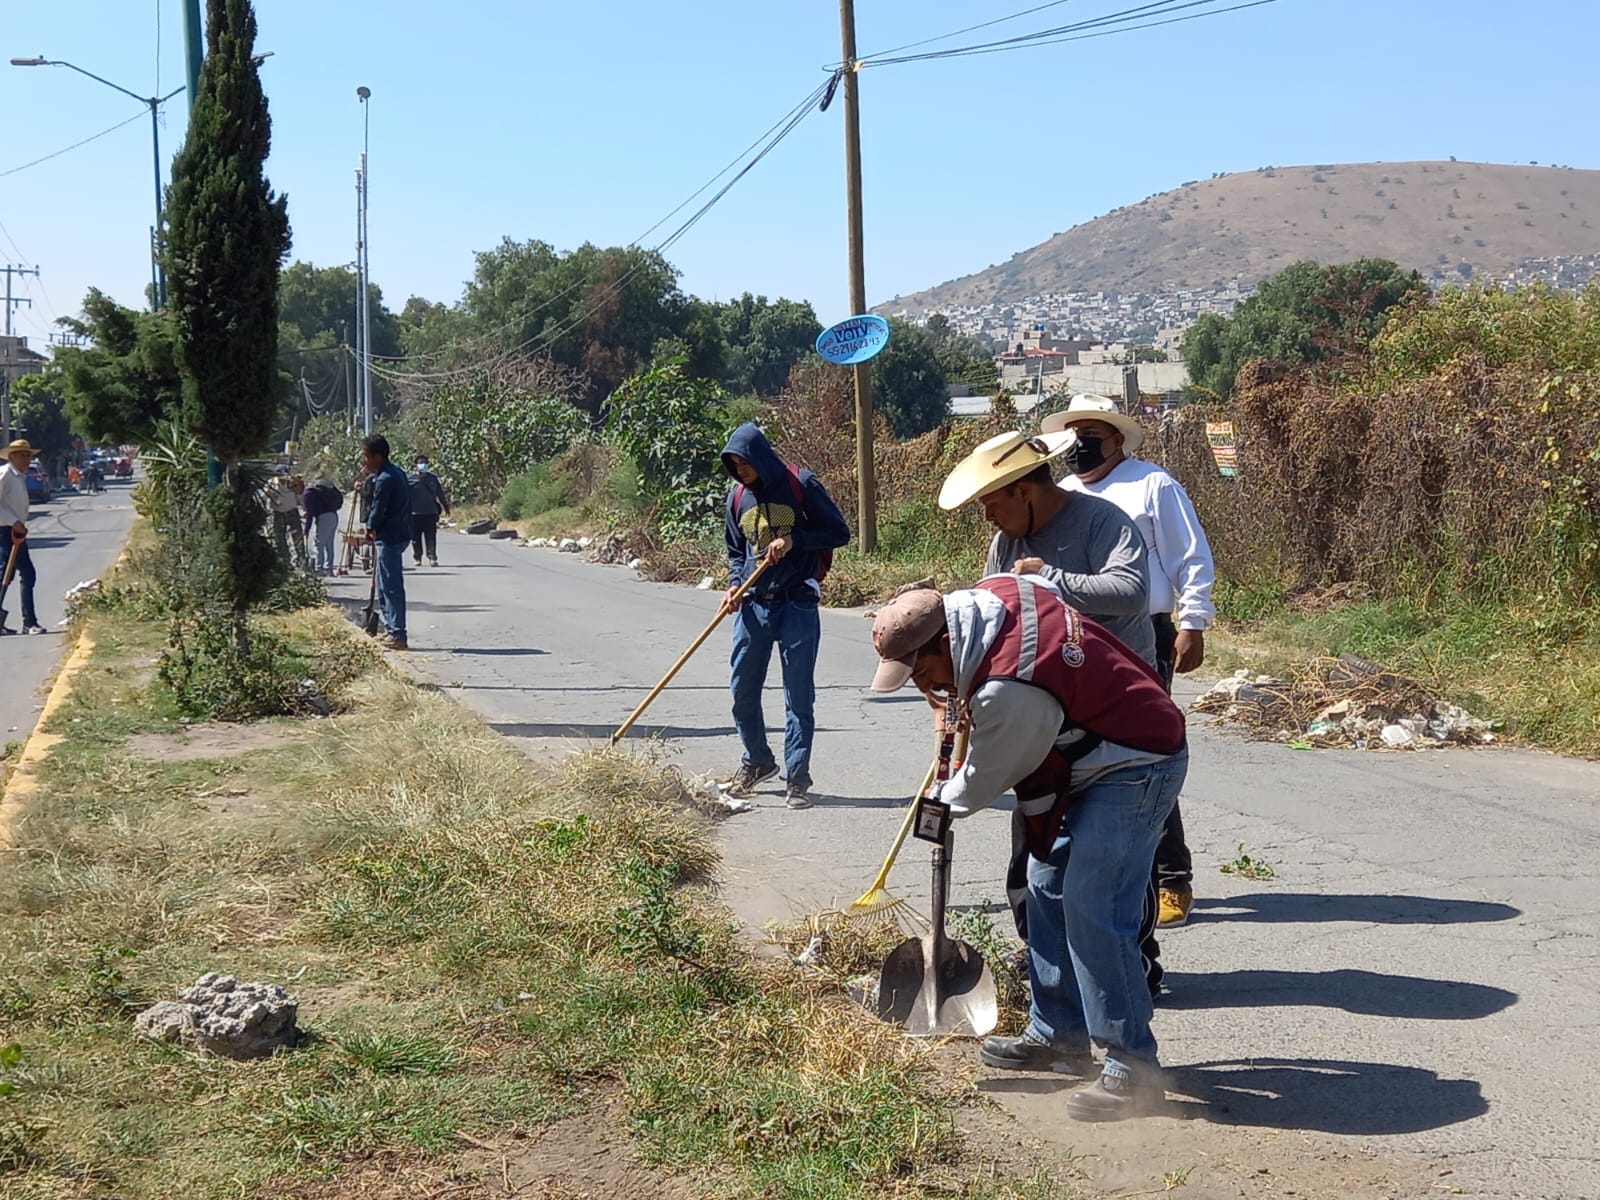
column 391, row 642
column 34, row 629
column 1115, row 1098
column 794, row 795
column 745, row 779
column 1030, row 1052
column 433, row 562
column 1174, row 908
column 416, row 562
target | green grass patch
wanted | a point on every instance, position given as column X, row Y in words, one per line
column 478, row 944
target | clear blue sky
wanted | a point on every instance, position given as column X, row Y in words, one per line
column 590, row 121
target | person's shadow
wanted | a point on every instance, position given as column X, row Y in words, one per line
column 1360, row 907
column 1370, row 993
column 1330, row 1095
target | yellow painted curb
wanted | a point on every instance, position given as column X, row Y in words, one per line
column 24, row 781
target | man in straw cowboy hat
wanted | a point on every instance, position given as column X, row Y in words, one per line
column 1085, row 548
column 14, row 556
column 1181, row 576
column 1083, row 731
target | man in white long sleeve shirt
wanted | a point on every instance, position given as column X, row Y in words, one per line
column 1082, row 729
column 1181, row 577
column 14, row 530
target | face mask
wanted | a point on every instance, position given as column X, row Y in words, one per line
column 423, row 467
column 1085, row 455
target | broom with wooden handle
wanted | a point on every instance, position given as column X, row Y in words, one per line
column 727, row 606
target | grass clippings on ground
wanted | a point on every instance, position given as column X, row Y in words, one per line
column 486, row 953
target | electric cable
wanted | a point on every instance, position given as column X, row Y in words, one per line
column 74, row 146
column 1027, row 12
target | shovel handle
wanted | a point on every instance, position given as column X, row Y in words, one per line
column 722, row 611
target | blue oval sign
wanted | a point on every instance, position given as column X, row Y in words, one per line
column 854, row 339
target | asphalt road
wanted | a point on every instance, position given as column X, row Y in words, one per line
column 1419, row 978
column 72, row 538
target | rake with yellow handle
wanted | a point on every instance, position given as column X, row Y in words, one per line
column 722, row 611
column 876, row 903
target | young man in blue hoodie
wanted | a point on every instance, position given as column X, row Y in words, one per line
column 784, row 515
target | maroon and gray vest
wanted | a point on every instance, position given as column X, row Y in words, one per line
column 1103, row 687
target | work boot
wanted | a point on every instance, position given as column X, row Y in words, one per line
column 1114, row 1097
column 794, row 795
column 393, row 642
column 1030, row 1052
column 744, row 780
column 1174, row 907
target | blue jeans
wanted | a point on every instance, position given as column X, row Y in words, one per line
column 392, row 587
column 796, row 629
column 327, row 527
column 1084, row 904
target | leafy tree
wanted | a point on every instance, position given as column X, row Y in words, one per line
column 908, row 381
column 666, row 420
column 1305, row 313
column 125, row 380
column 317, row 307
column 38, row 410
column 765, row 340
column 483, row 430
column 227, row 236
column 1148, row 354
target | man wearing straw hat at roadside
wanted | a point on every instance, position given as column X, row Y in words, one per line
column 1094, row 558
column 1181, row 575
column 14, row 544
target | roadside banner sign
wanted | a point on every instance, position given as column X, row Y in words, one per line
column 1219, row 436
column 854, row 339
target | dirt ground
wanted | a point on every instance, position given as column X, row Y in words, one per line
column 213, row 740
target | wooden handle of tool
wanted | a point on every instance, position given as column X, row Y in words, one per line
column 11, row 561
column 722, row 611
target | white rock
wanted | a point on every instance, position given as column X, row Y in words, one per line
column 706, row 584
column 568, row 546
column 635, row 564
column 585, row 542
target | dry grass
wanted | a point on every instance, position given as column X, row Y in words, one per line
column 478, row 944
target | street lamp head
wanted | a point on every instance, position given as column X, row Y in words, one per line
column 364, row 93
column 40, row 61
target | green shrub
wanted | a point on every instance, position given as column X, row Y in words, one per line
column 537, row 490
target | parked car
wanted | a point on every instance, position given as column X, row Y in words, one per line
column 38, row 485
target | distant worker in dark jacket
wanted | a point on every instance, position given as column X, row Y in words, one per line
column 321, row 503
column 389, row 529
column 427, row 502
column 785, row 516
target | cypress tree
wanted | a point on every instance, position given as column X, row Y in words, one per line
column 227, row 235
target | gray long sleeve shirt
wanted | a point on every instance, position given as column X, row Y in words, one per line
column 1095, row 557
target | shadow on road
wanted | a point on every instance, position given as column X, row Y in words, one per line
column 1376, row 909
column 474, row 650
column 603, row 732
column 1368, row 992
column 1329, row 1095
column 421, row 606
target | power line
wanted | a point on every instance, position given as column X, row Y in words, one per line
column 774, row 135
column 74, row 146
column 1124, row 21
column 958, row 32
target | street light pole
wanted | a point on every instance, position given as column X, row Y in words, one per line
column 158, row 273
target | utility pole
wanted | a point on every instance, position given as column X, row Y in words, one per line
column 5, row 368
column 350, row 377
column 866, row 473
column 363, row 313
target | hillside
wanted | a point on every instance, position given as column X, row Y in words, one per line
column 1429, row 215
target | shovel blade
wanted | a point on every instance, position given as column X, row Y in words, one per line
column 943, row 991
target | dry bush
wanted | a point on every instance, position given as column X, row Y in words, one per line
column 1473, row 480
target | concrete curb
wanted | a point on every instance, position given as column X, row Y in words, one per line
column 24, row 782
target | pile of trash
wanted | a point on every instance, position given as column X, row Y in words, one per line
column 1344, row 701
